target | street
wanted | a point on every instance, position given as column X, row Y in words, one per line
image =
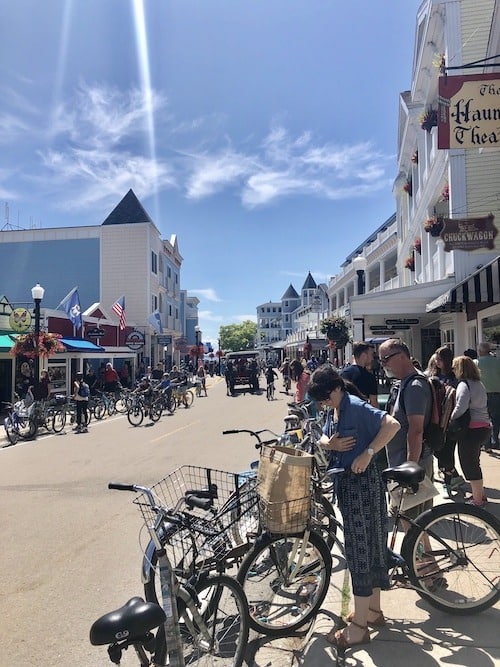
column 70, row 547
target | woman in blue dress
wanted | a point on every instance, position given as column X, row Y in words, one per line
column 355, row 432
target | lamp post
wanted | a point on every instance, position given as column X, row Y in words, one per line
column 37, row 293
column 197, row 333
column 220, row 353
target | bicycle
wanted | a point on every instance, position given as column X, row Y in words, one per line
column 203, row 621
column 450, row 556
column 104, row 403
column 270, row 391
column 287, row 383
column 183, row 395
column 65, row 412
column 19, row 423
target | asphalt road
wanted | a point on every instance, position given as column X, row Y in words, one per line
column 71, row 549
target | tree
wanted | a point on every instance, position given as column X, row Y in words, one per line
column 234, row 337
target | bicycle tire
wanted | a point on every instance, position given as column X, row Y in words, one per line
column 269, row 393
column 326, row 523
column 59, row 421
column 27, row 428
column 99, row 410
column 277, row 606
column 121, row 405
column 135, row 415
column 188, row 398
column 11, row 431
column 463, row 579
column 222, row 604
column 156, row 410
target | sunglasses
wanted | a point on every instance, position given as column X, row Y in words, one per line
column 385, row 359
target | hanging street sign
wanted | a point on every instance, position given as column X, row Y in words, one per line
column 394, row 323
column 135, row 340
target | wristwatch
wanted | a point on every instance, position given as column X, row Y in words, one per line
column 370, row 451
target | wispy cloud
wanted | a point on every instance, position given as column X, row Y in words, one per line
column 209, row 294
column 99, row 147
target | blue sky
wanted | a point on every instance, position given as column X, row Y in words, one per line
column 262, row 133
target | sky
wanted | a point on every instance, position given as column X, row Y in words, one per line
column 262, row 133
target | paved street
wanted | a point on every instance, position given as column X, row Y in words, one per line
column 70, row 548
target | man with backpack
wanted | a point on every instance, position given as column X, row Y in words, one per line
column 81, row 393
column 412, row 408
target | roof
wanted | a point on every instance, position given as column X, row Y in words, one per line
column 128, row 211
column 6, row 342
column 290, row 293
column 80, row 345
column 310, row 283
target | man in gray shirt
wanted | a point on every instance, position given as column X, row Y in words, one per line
column 489, row 366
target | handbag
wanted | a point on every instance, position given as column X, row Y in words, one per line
column 284, row 489
column 460, row 424
column 426, row 490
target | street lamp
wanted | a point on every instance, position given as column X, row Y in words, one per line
column 220, row 354
column 37, row 293
column 197, row 334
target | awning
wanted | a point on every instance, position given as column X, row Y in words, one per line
column 483, row 286
column 80, row 345
column 6, row 343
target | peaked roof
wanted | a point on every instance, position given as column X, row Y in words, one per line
column 310, row 283
column 128, row 211
column 290, row 293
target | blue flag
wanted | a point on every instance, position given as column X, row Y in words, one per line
column 155, row 321
column 71, row 305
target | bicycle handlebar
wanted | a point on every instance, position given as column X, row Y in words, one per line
column 256, row 434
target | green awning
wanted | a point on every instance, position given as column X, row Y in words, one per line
column 6, row 343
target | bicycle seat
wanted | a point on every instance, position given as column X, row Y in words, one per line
column 408, row 473
column 134, row 619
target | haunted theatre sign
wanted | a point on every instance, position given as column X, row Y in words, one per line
column 469, row 233
column 469, row 111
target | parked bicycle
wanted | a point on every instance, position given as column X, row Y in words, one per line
column 202, row 621
column 450, row 556
column 19, row 424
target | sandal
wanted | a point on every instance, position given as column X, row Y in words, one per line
column 378, row 622
column 337, row 638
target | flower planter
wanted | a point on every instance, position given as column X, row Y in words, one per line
column 436, row 229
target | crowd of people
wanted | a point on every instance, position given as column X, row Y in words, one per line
column 358, row 433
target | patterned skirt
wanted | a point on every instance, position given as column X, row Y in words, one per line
column 363, row 504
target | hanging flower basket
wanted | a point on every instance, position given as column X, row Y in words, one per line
column 414, row 157
column 445, row 193
column 32, row 346
column 219, row 353
column 336, row 330
column 410, row 263
column 434, row 225
column 417, row 245
column 407, row 187
column 428, row 119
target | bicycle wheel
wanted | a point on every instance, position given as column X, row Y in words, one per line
column 10, row 431
column 121, row 404
column 99, row 410
column 156, row 410
column 188, row 398
column 269, row 392
column 59, row 421
column 135, row 415
column 222, row 639
column 453, row 557
column 27, row 428
column 325, row 522
column 285, row 580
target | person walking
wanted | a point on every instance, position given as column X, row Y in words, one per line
column 354, row 432
column 471, row 395
column 489, row 366
column 81, row 393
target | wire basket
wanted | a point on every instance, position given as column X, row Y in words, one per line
column 207, row 534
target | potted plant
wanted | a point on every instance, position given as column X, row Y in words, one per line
column 414, row 157
column 417, row 245
column 32, row 346
column 336, row 330
column 407, row 187
column 428, row 119
column 410, row 263
column 445, row 193
column 434, row 225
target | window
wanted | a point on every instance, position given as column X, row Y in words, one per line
column 169, row 271
column 154, row 262
column 154, row 302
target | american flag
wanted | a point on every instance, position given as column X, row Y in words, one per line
column 119, row 309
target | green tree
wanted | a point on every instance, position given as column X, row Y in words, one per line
column 234, row 337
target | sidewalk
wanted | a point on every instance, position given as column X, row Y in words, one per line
column 416, row 634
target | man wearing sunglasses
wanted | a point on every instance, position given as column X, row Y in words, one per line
column 412, row 408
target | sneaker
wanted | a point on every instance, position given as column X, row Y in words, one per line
column 471, row 501
column 84, row 430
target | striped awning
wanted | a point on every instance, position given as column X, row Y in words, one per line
column 483, row 286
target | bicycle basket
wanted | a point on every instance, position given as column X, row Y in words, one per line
column 209, row 533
